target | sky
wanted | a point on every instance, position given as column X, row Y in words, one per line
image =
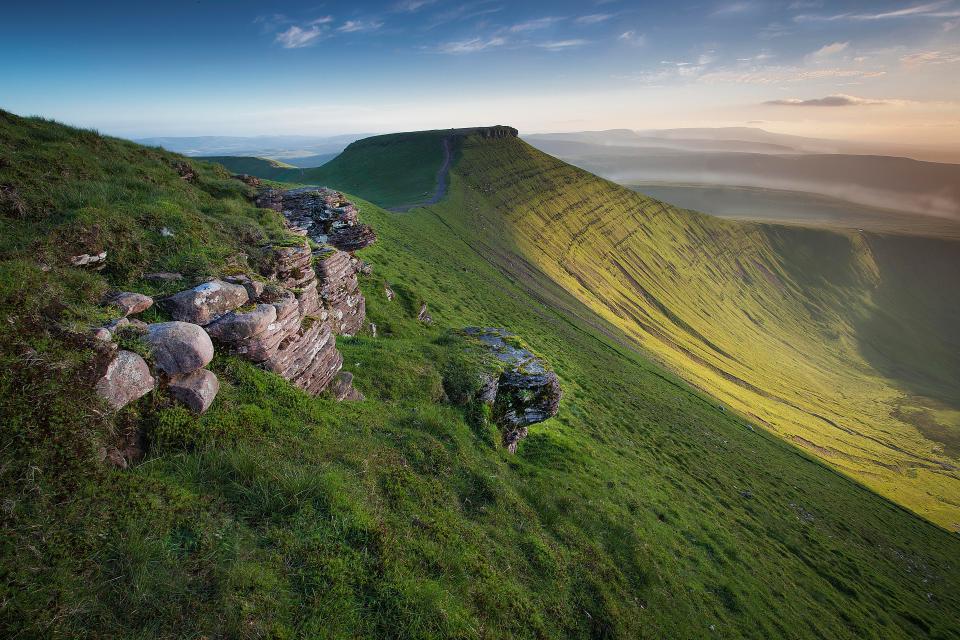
column 872, row 71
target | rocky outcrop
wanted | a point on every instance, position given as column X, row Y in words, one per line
column 521, row 390
column 340, row 290
column 290, row 331
column 331, row 221
column 206, row 302
column 323, row 214
column 125, row 379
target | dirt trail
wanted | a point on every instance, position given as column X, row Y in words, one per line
column 443, row 176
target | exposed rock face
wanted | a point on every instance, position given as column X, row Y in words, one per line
column 127, row 378
column 128, row 303
column 330, row 220
column 205, row 303
column 387, row 291
column 196, row 390
column 340, row 291
column 289, row 332
column 325, row 215
column 526, row 391
column 179, row 347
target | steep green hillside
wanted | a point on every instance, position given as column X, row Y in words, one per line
column 844, row 344
column 641, row 510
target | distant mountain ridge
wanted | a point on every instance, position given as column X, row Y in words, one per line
column 890, row 182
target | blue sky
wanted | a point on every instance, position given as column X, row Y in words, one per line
column 872, row 70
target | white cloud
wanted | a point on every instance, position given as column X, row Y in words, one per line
column 354, row 26
column 559, row 45
column 829, row 50
column 784, row 74
column 930, row 10
column 632, row 37
column 594, row 18
column 296, row 37
column 411, row 6
column 533, row 25
column 930, row 57
column 472, row 45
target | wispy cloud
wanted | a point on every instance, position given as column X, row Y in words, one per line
column 472, row 45
column 764, row 75
column 412, row 6
column 632, row 37
column 297, row 37
column 535, row 25
column 838, row 100
column 930, row 57
column 463, row 12
column 734, row 8
column 594, row 18
column 354, row 26
column 930, row 10
column 559, row 45
column 828, row 51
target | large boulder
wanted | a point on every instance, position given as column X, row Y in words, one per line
column 179, row 347
column 196, row 390
column 128, row 302
column 127, row 377
column 237, row 326
column 520, row 387
column 205, row 303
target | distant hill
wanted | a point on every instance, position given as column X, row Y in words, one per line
column 751, row 140
column 879, row 181
column 274, row 147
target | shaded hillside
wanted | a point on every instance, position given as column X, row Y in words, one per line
column 841, row 343
column 641, row 510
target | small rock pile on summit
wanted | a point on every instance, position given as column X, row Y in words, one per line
column 521, row 391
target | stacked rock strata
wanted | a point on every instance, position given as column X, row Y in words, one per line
column 522, row 392
column 331, row 221
column 287, row 331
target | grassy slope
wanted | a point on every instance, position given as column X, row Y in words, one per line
column 842, row 343
column 642, row 510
